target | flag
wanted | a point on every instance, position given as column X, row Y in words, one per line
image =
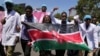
column 46, row 37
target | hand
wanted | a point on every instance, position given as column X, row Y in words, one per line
column 55, row 9
column 29, row 43
column 95, row 50
column 17, row 39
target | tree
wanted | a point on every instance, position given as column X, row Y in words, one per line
column 20, row 8
column 88, row 7
column 57, row 15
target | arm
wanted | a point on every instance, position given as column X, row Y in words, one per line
column 52, row 16
column 96, row 30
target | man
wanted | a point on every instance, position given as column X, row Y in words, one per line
column 94, row 21
column 25, row 38
column 89, row 35
column 40, row 14
column 2, row 53
column 10, row 29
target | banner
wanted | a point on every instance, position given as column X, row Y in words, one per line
column 46, row 37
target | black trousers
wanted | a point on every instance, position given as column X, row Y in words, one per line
column 2, row 53
column 73, row 52
column 26, row 49
column 60, row 52
column 45, row 53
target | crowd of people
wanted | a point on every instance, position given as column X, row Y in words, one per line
column 12, row 30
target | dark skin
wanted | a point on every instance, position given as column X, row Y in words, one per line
column 28, row 13
column 94, row 20
column 44, row 8
column 87, row 21
column 63, row 16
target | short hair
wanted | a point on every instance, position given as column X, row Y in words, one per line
column 9, row 4
column 29, row 7
column 2, row 8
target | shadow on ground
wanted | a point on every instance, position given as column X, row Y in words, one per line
column 17, row 53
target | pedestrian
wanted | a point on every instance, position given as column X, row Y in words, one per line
column 2, row 53
column 25, row 38
column 89, row 34
column 11, row 28
column 46, row 20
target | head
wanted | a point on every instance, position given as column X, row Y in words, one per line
column 63, row 16
column 87, row 19
column 1, row 8
column 9, row 6
column 47, row 19
column 28, row 11
column 94, row 20
column 44, row 8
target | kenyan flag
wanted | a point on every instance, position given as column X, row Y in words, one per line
column 46, row 37
column 51, row 40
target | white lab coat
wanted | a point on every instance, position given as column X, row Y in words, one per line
column 9, row 32
column 98, row 30
column 90, row 34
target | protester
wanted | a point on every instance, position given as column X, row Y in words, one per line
column 10, row 29
column 94, row 21
column 2, row 53
column 89, row 35
column 25, row 38
column 46, row 20
column 62, row 30
column 40, row 14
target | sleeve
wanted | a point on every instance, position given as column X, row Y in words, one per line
column 18, row 25
column 52, row 17
column 96, row 30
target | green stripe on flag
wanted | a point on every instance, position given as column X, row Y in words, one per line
column 54, row 45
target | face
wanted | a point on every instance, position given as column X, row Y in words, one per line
column 46, row 19
column 88, row 21
column 9, row 7
column 63, row 16
column 94, row 20
column 44, row 8
column 28, row 12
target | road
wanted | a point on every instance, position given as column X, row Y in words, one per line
column 18, row 51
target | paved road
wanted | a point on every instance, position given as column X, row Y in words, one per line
column 18, row 51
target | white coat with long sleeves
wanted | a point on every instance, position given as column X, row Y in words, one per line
column 90, row 34
column 9, row 32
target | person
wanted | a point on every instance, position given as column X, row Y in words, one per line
column 11, row 28
column 89, row 34
column 46, row 20
column 25, row 38
column 62, row 30
column 2, row 53
column 97, row 53
column 40, row 14
column 94, row 21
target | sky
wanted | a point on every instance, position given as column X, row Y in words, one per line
column 63, row 5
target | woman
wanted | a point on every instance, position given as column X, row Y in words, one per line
column 47, row 20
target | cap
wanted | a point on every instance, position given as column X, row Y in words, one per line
column 87, row 17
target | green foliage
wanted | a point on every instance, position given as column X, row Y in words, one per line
column 19, row 9
column 88, row 7
column 57, row 15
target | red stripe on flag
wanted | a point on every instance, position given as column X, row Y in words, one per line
column 71, row 37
